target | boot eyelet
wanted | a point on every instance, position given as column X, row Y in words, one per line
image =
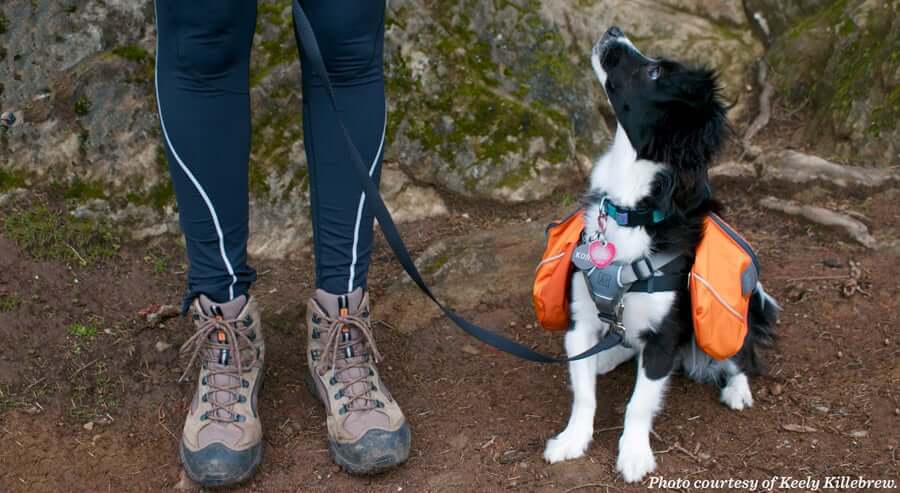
column 203, row 381
column 379, row 404
column 245, row 384
column 316, row 319
column 204, row 417
column 343, row 410
column 242, row 399
column 240, row 418
column 333, row 381
column 248, row 321
column 374, row 388
column 371, row 372
column 339, row 394
column 365, row 314
column 204, row 398
column 251, row 335
column 316, row 334
column 314, row 354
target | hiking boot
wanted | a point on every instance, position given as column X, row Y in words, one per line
column 222, row 439
column 367, row 432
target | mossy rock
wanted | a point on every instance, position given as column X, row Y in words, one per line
column 840, row 61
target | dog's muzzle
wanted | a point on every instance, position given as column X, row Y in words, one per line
column 606, row 40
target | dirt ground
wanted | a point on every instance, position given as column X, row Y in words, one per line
column 89, row 399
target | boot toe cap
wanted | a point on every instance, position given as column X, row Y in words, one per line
column 375, row 452
column 218, row 465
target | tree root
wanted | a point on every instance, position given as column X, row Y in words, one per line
column 856, row 229
column 765, row 103
column 797, row 167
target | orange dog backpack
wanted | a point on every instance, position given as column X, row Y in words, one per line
column 723, row 278
column 550, row 291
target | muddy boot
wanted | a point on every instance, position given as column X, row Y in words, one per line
column 367, row 432
column 222, row 439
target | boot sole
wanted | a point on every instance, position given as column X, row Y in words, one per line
column 389, row 441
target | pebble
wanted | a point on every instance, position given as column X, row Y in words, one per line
column 88, row 426
column 840, row 354
column 162, row 346
column 33, row 410
column 777, row 389
column 703, row 456
column 858, row 433
column 470, row 349
column 833, row 263
column 823, row 409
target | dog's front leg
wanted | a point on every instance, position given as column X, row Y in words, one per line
column 574, row 440
column 635, row 455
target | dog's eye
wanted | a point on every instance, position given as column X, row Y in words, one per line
column 653, row 72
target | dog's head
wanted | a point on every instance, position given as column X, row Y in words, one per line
column 672, row 113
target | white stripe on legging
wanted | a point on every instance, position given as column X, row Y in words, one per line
column 212, row 211
column 359, row 209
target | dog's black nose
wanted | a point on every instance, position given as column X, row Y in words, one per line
column 615, row 32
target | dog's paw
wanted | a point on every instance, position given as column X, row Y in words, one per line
column 566, row 446
column 736, row 394
column 635, row 459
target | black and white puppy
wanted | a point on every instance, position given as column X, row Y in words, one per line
column 671, row 124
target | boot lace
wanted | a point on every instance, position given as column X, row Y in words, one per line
column 337, row 356
column 214, row 335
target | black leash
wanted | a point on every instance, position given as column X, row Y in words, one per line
column 310, row 46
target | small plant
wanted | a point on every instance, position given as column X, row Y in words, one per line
column 4, row 22
column 9, row 302
column 82, row 106
column 567, row 199
column 82, row 331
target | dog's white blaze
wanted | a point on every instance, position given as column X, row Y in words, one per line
column 598, row 68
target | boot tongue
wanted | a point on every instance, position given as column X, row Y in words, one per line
column 331, row 303
column 229, row 311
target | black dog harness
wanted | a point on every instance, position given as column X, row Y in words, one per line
column 664, row 271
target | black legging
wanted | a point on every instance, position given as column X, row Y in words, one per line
column 202, row 87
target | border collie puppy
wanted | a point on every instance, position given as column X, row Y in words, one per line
column 671, row 124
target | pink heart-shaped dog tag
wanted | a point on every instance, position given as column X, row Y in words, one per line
column 602, row 254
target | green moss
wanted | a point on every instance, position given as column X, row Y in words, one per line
column 82, row 106
column 10, row 179
column 9, row 302
column 132, row 53
column 4, row 22
column 78, row 190
column 276, row 51
column 47, row 234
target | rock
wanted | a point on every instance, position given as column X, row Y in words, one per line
column 858, row 434
column 88, row 426
column 777, row 389
column 463, row 271
column 833, row 263
column 162, row 346
column 407, row 201
column 470, row 349
column 840, row 57
column 492, row 100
